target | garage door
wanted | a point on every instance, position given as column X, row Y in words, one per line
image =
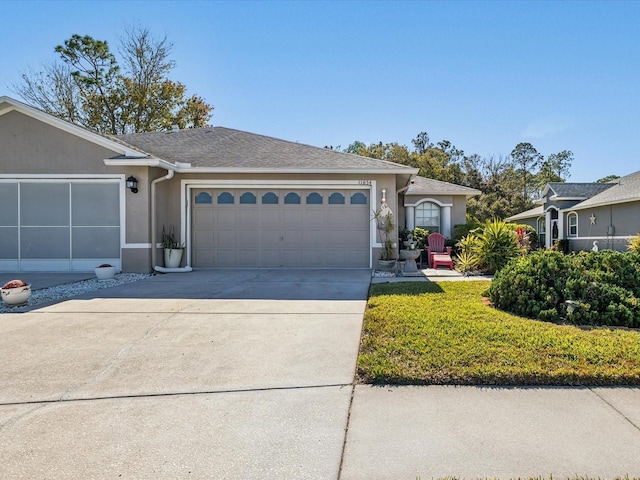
column 280, row 228
column 59, row 226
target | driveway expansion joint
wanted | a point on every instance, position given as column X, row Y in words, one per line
column 173, row 394
column 637, row 427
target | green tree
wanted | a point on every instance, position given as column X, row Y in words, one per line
column 554, row 169
column 91, row 89
column 608, row 178
column 526, row 160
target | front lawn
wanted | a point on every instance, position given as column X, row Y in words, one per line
column 443, row 333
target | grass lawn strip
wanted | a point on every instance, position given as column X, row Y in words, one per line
column 442, row 333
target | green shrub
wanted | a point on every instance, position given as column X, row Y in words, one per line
column 532, row 285
column 606, row 286
column 634, row 244
column 561, row 245
column 461, row 230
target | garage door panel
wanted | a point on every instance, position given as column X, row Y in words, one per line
column 269, row 217
column 224, row 238
column 203, row 218
column 203, row 238
column 271, row 239
column 247, row 217
column 294, row 258
column 247, row 258
column 293, row 238
column 246, row 239
column 225, row 218
column 270, row 257
column 225, row 257
column 292, row 218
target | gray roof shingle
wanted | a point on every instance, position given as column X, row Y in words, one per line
column 424, row 186
column 221, row 147
column 625, row 189
column 577, row 190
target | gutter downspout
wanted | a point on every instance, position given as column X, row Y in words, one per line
column 406, row 187
column 154, row 254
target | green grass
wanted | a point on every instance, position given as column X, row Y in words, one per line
column 442, row 333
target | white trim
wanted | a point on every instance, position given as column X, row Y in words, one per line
column 186, row 185
column 61, row 177
column 429, row 199
column 569, row 215
column 138, row 245
column 621, row 237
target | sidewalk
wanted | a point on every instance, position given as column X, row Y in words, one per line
column 492, row 432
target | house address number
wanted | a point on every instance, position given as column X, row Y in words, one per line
column 364, row 182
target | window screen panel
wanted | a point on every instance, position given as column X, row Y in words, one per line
column 44, row 242
column 95, row 204
column 96, row 242
column 44, row 204
column 9, row 202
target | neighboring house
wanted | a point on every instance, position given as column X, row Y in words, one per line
column 582, row 213
column 236, row 199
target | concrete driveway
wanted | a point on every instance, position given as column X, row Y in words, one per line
column 211, row 374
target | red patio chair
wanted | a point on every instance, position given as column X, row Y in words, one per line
column 436, row 247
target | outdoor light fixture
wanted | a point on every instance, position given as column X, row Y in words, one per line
column 132, row 184
column 572, row 305
column 384, row 195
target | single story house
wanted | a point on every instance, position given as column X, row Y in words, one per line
column 73, row 199
column 584, row 213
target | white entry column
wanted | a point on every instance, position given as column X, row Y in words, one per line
column 410, row 217
column 446, row 221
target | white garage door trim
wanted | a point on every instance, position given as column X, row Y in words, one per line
column 64, row 264
column 189, row 184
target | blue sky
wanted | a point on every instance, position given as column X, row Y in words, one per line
column 483, row 75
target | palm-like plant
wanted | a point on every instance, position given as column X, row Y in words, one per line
column 495, row 244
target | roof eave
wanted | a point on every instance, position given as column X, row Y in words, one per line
column 360, row 171
column 139, row 162
column 604, row 203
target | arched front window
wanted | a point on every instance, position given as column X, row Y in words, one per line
column 572, row 221
column 428, row 216
column 542, row 231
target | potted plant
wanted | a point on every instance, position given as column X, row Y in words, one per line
column 385, row 224
column 172, row 248
column 16, row 292
column 105, row 271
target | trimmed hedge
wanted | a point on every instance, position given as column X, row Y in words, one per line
column 605, row 284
